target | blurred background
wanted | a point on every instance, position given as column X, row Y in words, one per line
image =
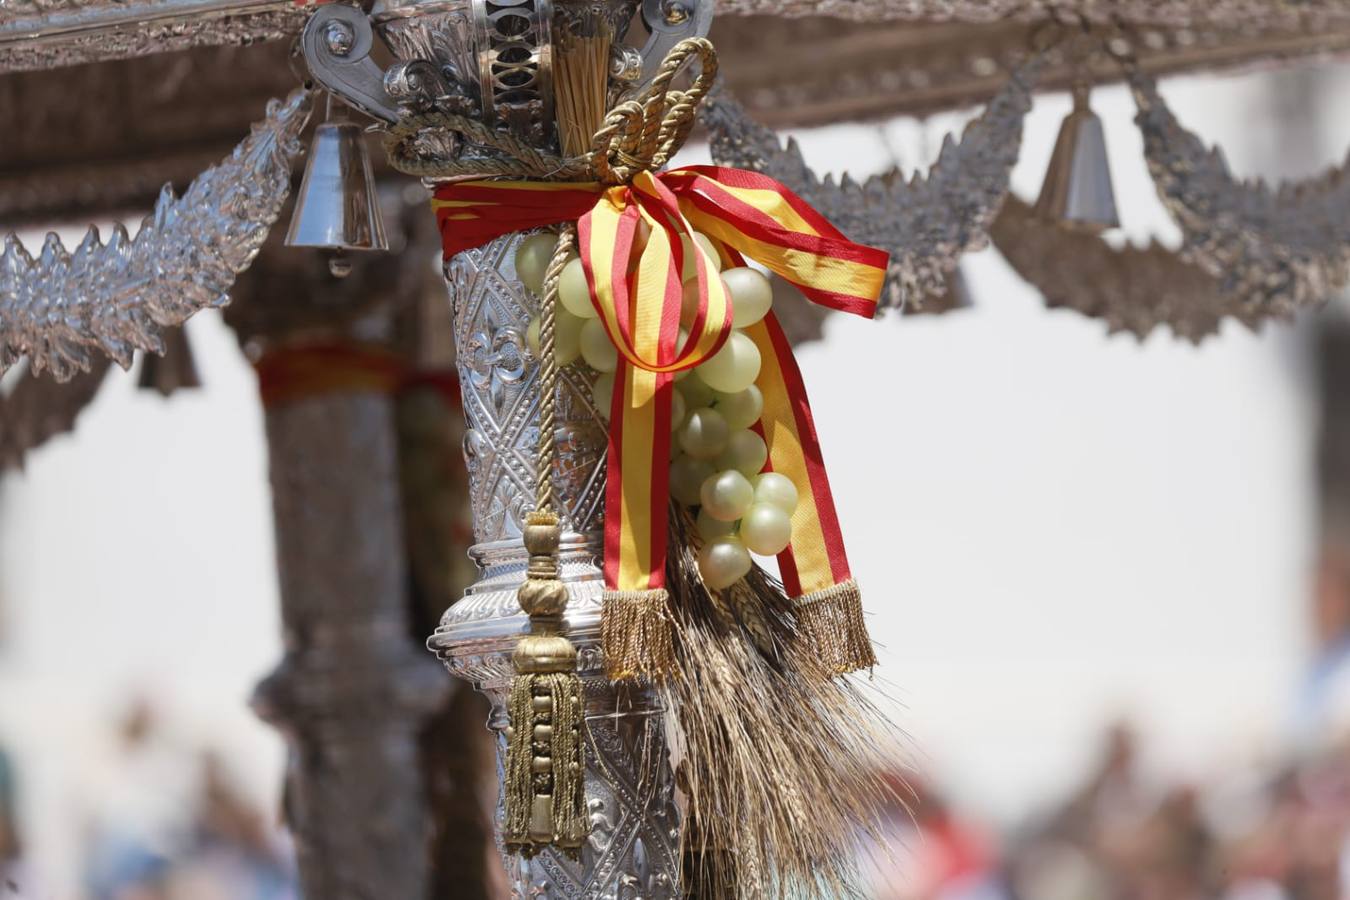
column 1110, row 580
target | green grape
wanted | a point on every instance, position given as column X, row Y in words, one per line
column 723, row 562
column 688, row 271
column 777, row 490
column 566, row 337
column 751, row 295
column 697, row 395
column 689, row 304
column 745, row 453
column 532, row 337
column 686, row 478
column 704, row 434
column 596, row 347
column 602, row 393
column 741, row 409
column 726, row 495
column 733, row 368
column 711, row 529
column 677, row 411
column 532, row 257
column 766, row 529
column 573, row 292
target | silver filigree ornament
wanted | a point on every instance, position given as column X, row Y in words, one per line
column 926, row 223
column 1273, row 250
column 62, row 308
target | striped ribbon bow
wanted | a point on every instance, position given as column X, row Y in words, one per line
column 633, row 256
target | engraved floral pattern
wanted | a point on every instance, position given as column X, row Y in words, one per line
column 499, row 377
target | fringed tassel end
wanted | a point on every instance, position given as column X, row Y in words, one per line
column 637, row 635
column 545, row 769
column 544, row 791
column 831, row 621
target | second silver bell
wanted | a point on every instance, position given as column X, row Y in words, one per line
column 1077, row 190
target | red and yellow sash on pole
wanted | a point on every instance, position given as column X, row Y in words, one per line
column 631, row 249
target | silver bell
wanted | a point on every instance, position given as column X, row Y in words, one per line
column 338, row 207
column 1077, row 190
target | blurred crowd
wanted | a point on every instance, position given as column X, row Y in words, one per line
column 163, row 821
column 160, row 820
column 1279, row 834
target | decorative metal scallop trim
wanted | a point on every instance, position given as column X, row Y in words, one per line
column 1273, row 250
column 63, row 307
column 1133, row 289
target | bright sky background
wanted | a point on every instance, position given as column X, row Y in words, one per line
column 1053, row 528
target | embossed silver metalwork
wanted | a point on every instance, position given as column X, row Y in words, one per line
column 63, row 308
column 1274, row 249
column 515, row 63
column 633, row 848
column 926, row 223
column 501, row 403
column 45, row 35
column 439, row 31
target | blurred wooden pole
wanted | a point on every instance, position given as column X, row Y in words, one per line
column 368, row 482
column 352, row 691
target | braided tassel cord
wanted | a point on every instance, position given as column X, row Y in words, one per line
column 545, row 763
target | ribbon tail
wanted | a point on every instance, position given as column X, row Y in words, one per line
column 637, row 635
column 831, row 621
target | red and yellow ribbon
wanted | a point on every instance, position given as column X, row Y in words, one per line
column 632, row 250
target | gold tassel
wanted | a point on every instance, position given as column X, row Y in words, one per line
column 831, row 621
column 545, row 765
column 636, row 634
column 544, row 781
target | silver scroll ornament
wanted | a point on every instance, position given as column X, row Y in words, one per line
column 1132, row 289
column 492, row 60
column 925, row 223
column 633, row 847
column 1275, row 250
column 63, row 308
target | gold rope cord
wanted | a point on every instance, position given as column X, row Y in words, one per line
column 545, row 763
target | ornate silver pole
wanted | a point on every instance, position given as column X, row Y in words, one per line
column 633, row 846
